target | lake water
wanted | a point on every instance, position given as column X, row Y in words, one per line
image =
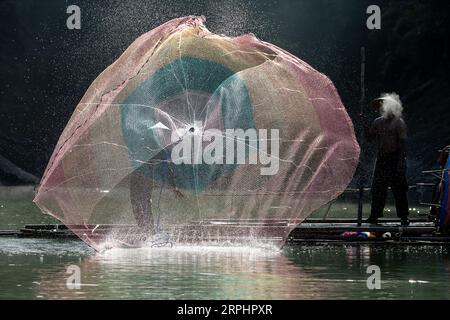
column 37, row 269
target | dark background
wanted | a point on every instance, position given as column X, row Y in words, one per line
column 46, row 68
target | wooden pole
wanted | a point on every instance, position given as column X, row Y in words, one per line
column 362, row 103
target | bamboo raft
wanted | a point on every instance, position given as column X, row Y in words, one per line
column 311, row 231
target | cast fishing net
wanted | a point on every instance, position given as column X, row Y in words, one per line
column 191, row 136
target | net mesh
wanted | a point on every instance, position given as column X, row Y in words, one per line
column 192, row 136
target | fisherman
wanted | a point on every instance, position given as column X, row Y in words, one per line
column 389, row 133
column 443, row 156
column 442, row 161
column 141, row 188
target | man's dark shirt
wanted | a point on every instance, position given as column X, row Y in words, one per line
column 390, row 136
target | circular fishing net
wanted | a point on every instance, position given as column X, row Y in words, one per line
column 195, row 137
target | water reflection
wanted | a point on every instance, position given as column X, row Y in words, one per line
column 188, row 273
column 37, row 269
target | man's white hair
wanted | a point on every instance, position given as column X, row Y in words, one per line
column 392, row 105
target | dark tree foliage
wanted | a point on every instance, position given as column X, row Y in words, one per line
column 46, row 68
